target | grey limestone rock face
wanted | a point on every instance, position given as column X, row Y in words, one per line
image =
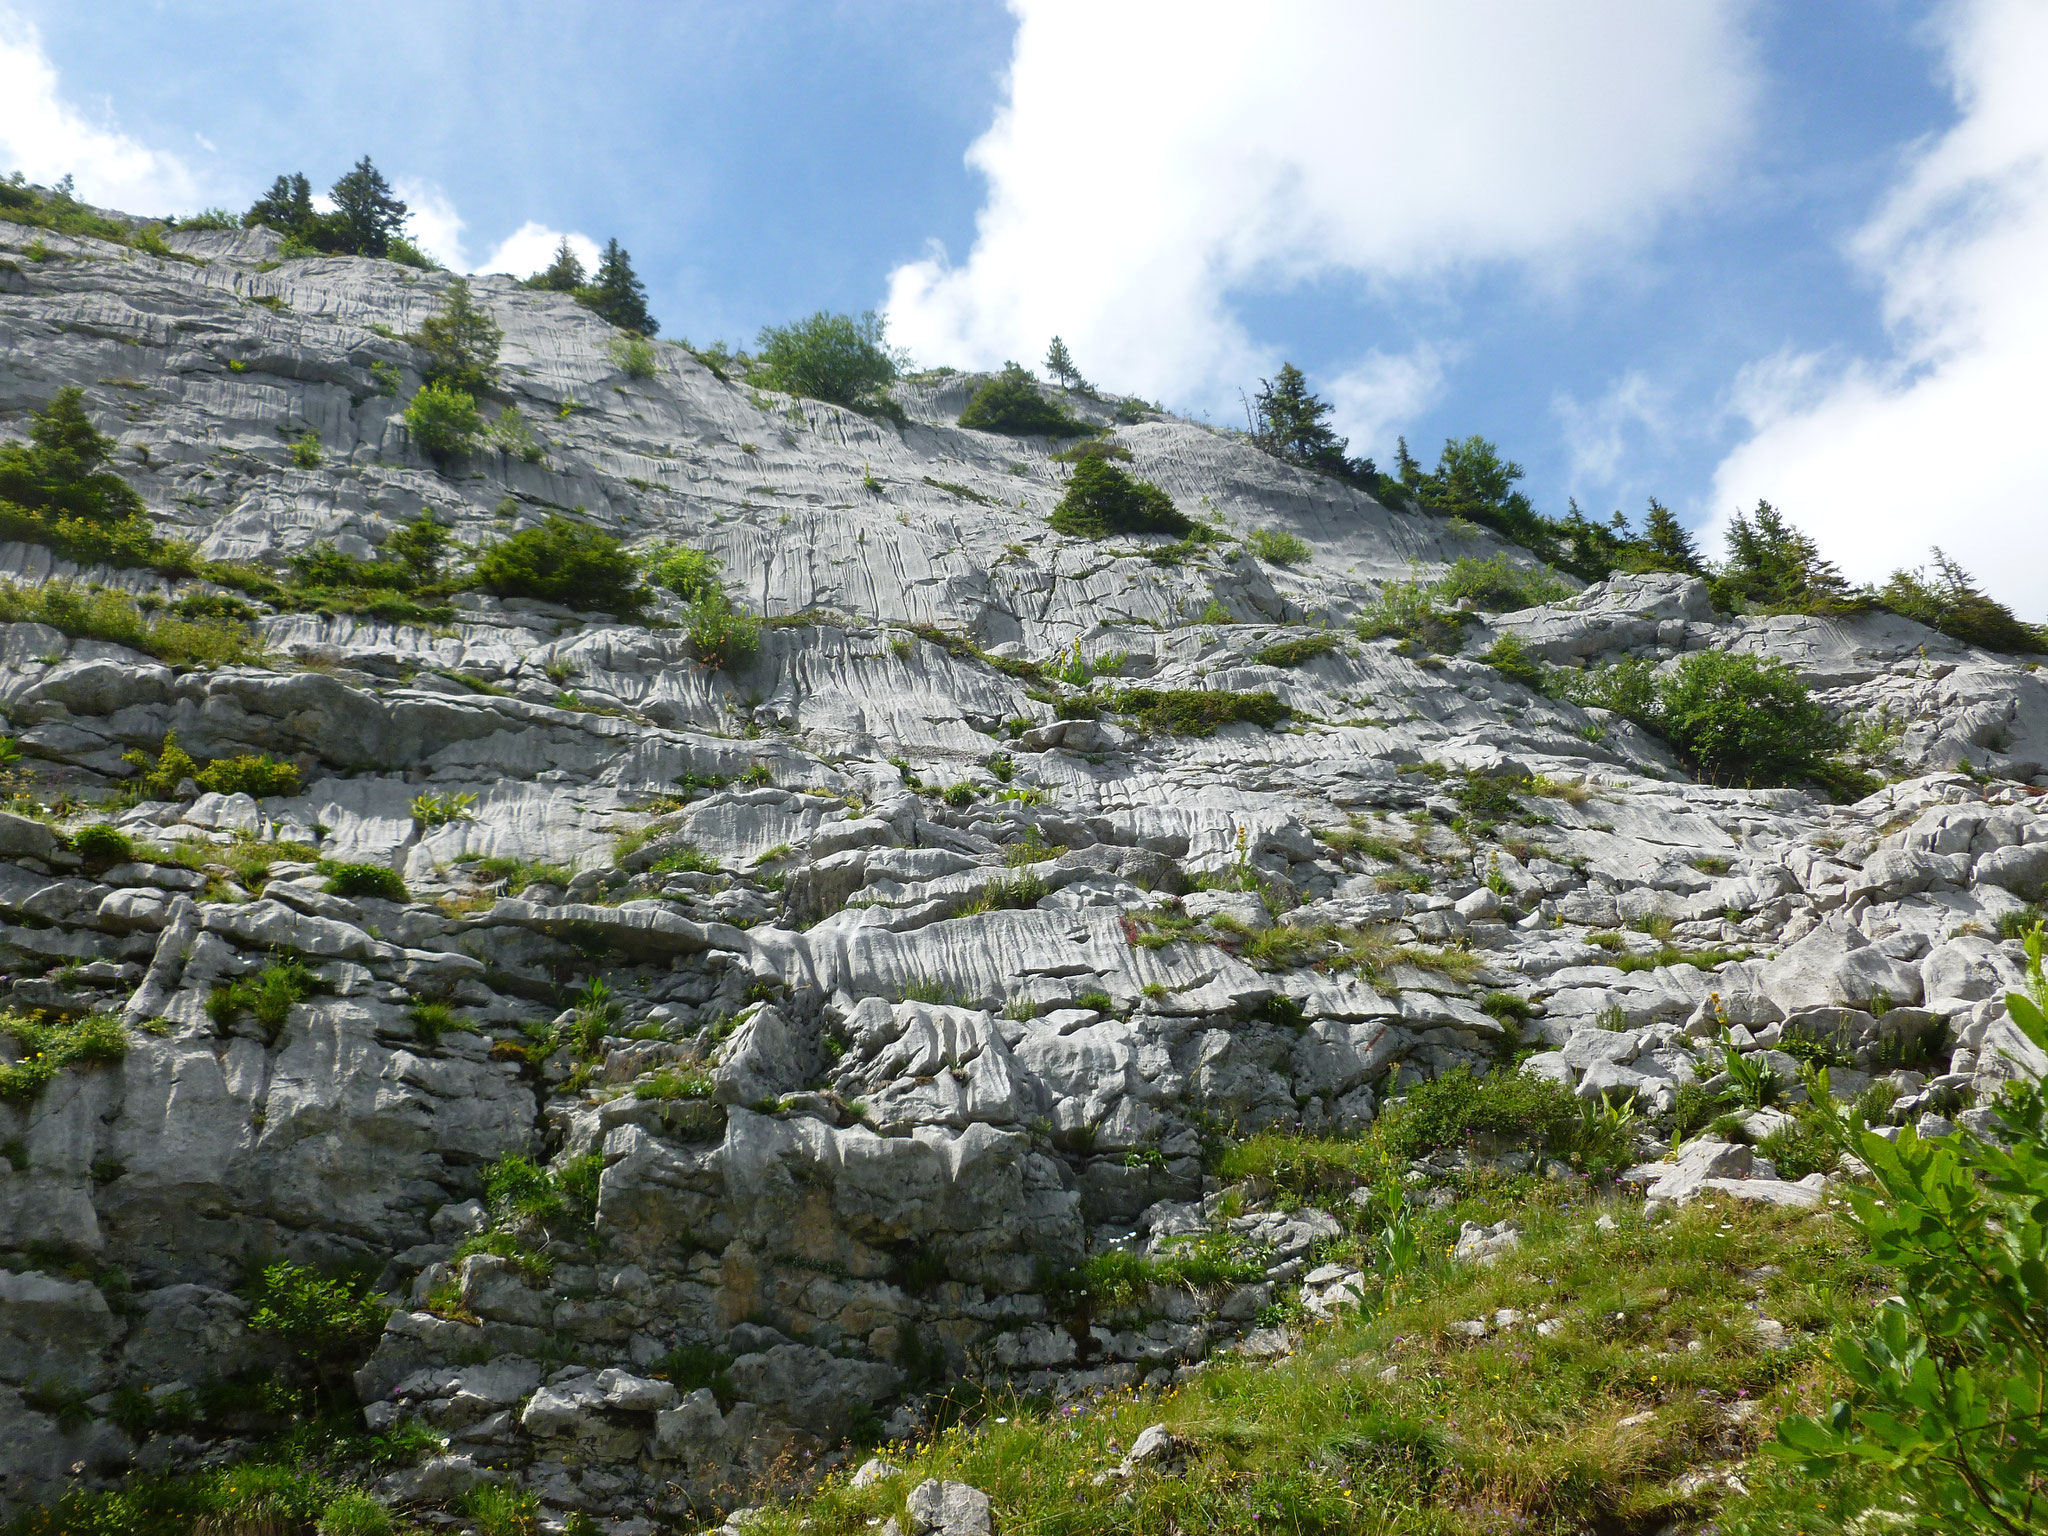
column 824, row 1005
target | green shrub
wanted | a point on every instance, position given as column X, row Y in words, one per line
column 306, row 450
column 1277, row 547
column 1010, row 403
column 674, row 1083
column 159, row 778
column 114, row 617
column 1102, row 500
column 321, row 1319
column 687, row 572
column 1950, row 601
column 62, row 471
column 355, row 1513
column 1195, row 711
column 632, row 355
column 1497, row 586
column 363, row 880
column 444, row 421
column 722, row 633
column 254, row 775
column 1948, row 1386
column 837, row 358
column 1407, row 610
column 461, row 342
column 1742, row 719
column 563, row 562
column 1292, row 653
column 268, row 996
column 1629, row 688
column 102, row 847
column 501, row 1510
column 47, row 1048
column 431, row 810
column 1511, row 659
column 1449, row 1110
column 512, row 434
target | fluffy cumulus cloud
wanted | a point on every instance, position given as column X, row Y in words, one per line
column 532, row 246
column 1941, row 442
column 45, row 137
column 1152, row 161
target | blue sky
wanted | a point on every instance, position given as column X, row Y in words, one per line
column 1704, row 250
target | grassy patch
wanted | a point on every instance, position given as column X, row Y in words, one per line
column 86, row 613
column 46, row 1046
column 1292, row 653
column 1195, row 711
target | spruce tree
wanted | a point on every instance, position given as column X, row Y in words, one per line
column 617, row 294
column 287, row 207
column 366, row 213
column 1059, row 362
column 1290, row 425
column 1771, row 564
column 64, row 467
column 564, row 274
column 461, row 341
column 1670, row 547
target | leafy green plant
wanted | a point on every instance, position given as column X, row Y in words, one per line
column 431, row 810
column 102, row 846
column 378, row 880
column 683, row 570
column 268, row 996
column 1949, row 1382
column 1407, row 610
column 563, row 562
column 1496, row 585
column 1754, row 1083
column 322, row 1319
column 722, row 633
column 114, row 617
column 632, row 355
column 514, row 435
column 1511, row 659
column 306, row 450
column 444, row 421
column 1102, row 499
column 1276, row 546
column 354, row 1513
column 1010, row 403
column 1447, row 1110
column 844, row 359
column 256, row 775
column 47, row 1046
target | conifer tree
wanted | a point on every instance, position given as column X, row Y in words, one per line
column 461, row 341
column 617, row 294
column 1670, row 546
column 1059, row 362
column 287, row 207
column 367, row 215
column 564, row 274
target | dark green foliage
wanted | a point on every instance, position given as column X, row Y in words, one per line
column 287, row 207
column 102, row 847
column 268, row 996
column 461, row 342
column 563, row 562
column 1628, row 687
column 1491, row 797
column 616, row 294
column 1094, row 448
column 61, row 471
column 323, row 1320
column 1948, row 1385
column 1194, row 711
column 1102, row 500
column 444, row 421
column 1407, row 610
column 687, row 572
column 1288, row 423
column 368, row 215
column 352, row 880
column 1774, row 568
column 1010, row 403
column 1507, row 1107
column 55, row 208
column 564, row 274
column 1950, row 601
column 1059, row 362
column 722, row 633
column 843, row 359
column 1744, row 720
column 159, row 779
column 1292, row 653
column 1509, row 657
column 1666, row 545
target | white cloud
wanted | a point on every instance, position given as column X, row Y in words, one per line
column 432, row 223
column 531, row 247
column 45, row 137
column 1372, row 399
column 1597, row 436
column 1941, row 442
column 1152, row 160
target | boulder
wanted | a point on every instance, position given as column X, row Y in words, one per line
column 1836, row 964
column 948, row 1509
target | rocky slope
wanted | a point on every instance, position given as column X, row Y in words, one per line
column 915, row 994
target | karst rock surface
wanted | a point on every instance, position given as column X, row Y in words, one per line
column 856, row 1094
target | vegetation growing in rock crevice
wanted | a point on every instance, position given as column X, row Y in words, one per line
column 843, row 359
column 563, row 562
column 1102, row 500
column 1010, row 403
